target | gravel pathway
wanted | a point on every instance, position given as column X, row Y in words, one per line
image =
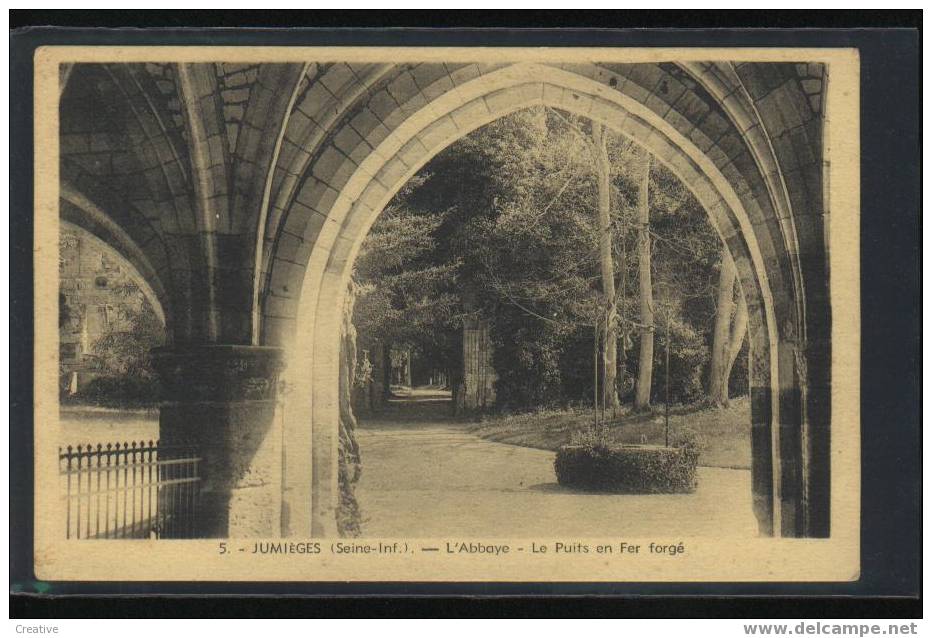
column 425, row 475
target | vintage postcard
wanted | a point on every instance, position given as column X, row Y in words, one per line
column 447, row 314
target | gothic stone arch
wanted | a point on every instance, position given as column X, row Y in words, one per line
column 722, row 148
column 243, row 192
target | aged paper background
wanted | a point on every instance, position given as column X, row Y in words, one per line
column 706, row 559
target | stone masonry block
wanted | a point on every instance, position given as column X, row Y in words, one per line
column 328, row 164
column 301, row 129
column 771, row 114
column 356, row 224
column 679, row 122
column 338, row 79
column 718, row 156
column 462, row 73
column 799, row 196
column 211, row 120
column 217, row 148
column 286, row 278
column 392, row 172
column 340, row 254
column 608, row 113
column 785, row 153
column 413, row 153
column 692, row 107
column 731, row 144
column 369, row 127
column 439, row 134
column 176, row 179
column 715, row 126
column 300, row 221
column 293, row 248
column 700, row 139
column 683, row 166
column 343, row 174
column 794, row 107
column 658, row 102
column 313, row 102
column 346, row 140
column 373, row 194
column 291, row 158
column 427, row 73
column 807, row 153
column 406, row 93
column 746, row 165
column 467, row 116
column 382, row 104
column 737, row 181
column 317, row 195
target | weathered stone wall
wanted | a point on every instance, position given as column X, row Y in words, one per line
column 479, row 376
column 224, row 401
column 92, row 281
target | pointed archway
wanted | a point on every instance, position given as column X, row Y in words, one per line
column 724, row 153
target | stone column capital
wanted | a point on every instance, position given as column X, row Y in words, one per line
column 204, row 372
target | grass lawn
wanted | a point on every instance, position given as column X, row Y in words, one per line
column 83, row 424
column 724, row 434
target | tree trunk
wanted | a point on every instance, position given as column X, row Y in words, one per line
column 348, row 518
column 387, row 378
column 739, row 329
column 645, row 294
column 718, row 380
column 610, row 332
column 408, row 380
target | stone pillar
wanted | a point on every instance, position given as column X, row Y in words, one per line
column 818, row 450
column 762, row 458
column 791, row 438
column 478, row 374
column 223, row 400
column 762, row 419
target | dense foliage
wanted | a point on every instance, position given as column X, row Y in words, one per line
column 503, row 223
column 125, row 376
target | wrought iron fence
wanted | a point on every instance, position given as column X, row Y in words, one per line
column 130, row 490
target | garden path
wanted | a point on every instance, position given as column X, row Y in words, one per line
column 425, row 475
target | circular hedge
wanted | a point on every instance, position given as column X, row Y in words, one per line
column 628, row 469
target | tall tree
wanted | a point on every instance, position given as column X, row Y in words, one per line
column 506, row 223
column 739, row 329
column 645, row 293
column 728, row 332
column 718, row 382
column 603, row 169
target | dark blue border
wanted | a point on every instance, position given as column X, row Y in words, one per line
column 891, row 315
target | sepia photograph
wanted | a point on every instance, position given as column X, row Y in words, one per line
column 336, row 313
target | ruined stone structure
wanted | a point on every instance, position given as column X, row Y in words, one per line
column 371, row 391
column 242, row 194
column 478, row 385
column 93, row 283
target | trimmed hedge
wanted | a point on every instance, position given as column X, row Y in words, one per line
column 629, row 469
